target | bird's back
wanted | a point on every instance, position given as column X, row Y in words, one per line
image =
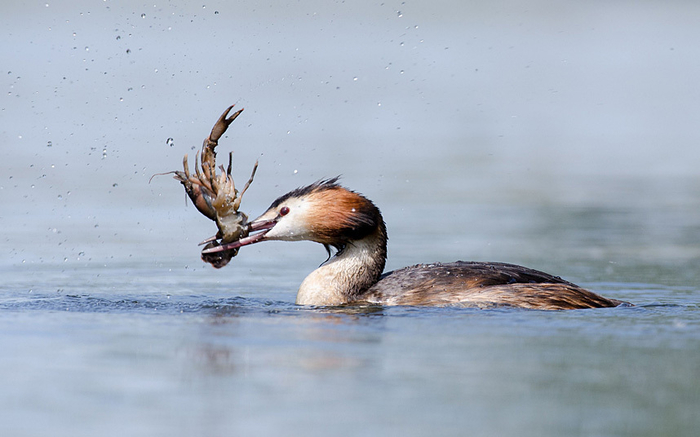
column 480, row 284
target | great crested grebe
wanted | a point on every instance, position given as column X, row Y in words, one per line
column 334, row 216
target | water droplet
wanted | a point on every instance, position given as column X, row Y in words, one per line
column 121, row 99
column 401, row 44
column 104, row 153
column 379, row 103
column 115, row 185
column 118, row 37
column 170, row 142
column 49, row 144
column 128, row 51
column 216, row 12
column 296, row 171
column 401, row 72
column 143, row 15
column 81, row 253
column 87, row 49
column 155, row 71
column 73, row 33
column 354, row 78
column 399, row 14
column 60, row 197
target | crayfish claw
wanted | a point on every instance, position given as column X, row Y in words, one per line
column 222, row 124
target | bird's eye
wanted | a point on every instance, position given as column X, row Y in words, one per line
column 284, row 210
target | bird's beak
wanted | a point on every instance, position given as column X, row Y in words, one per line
column 260, row 224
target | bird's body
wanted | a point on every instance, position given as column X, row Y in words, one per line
column 329, row 214
column 480, row 284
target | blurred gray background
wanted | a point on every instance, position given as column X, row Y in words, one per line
column 429, row 108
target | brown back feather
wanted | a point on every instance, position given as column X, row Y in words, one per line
column 482, row 285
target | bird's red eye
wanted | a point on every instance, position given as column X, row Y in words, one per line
column 284, row 210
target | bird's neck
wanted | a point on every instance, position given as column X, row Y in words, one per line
column 347, row 274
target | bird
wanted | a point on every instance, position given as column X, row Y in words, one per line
column 325, row 212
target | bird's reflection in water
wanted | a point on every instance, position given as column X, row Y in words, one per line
column 240, row 337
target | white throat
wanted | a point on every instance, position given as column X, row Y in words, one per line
column 345, row 275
